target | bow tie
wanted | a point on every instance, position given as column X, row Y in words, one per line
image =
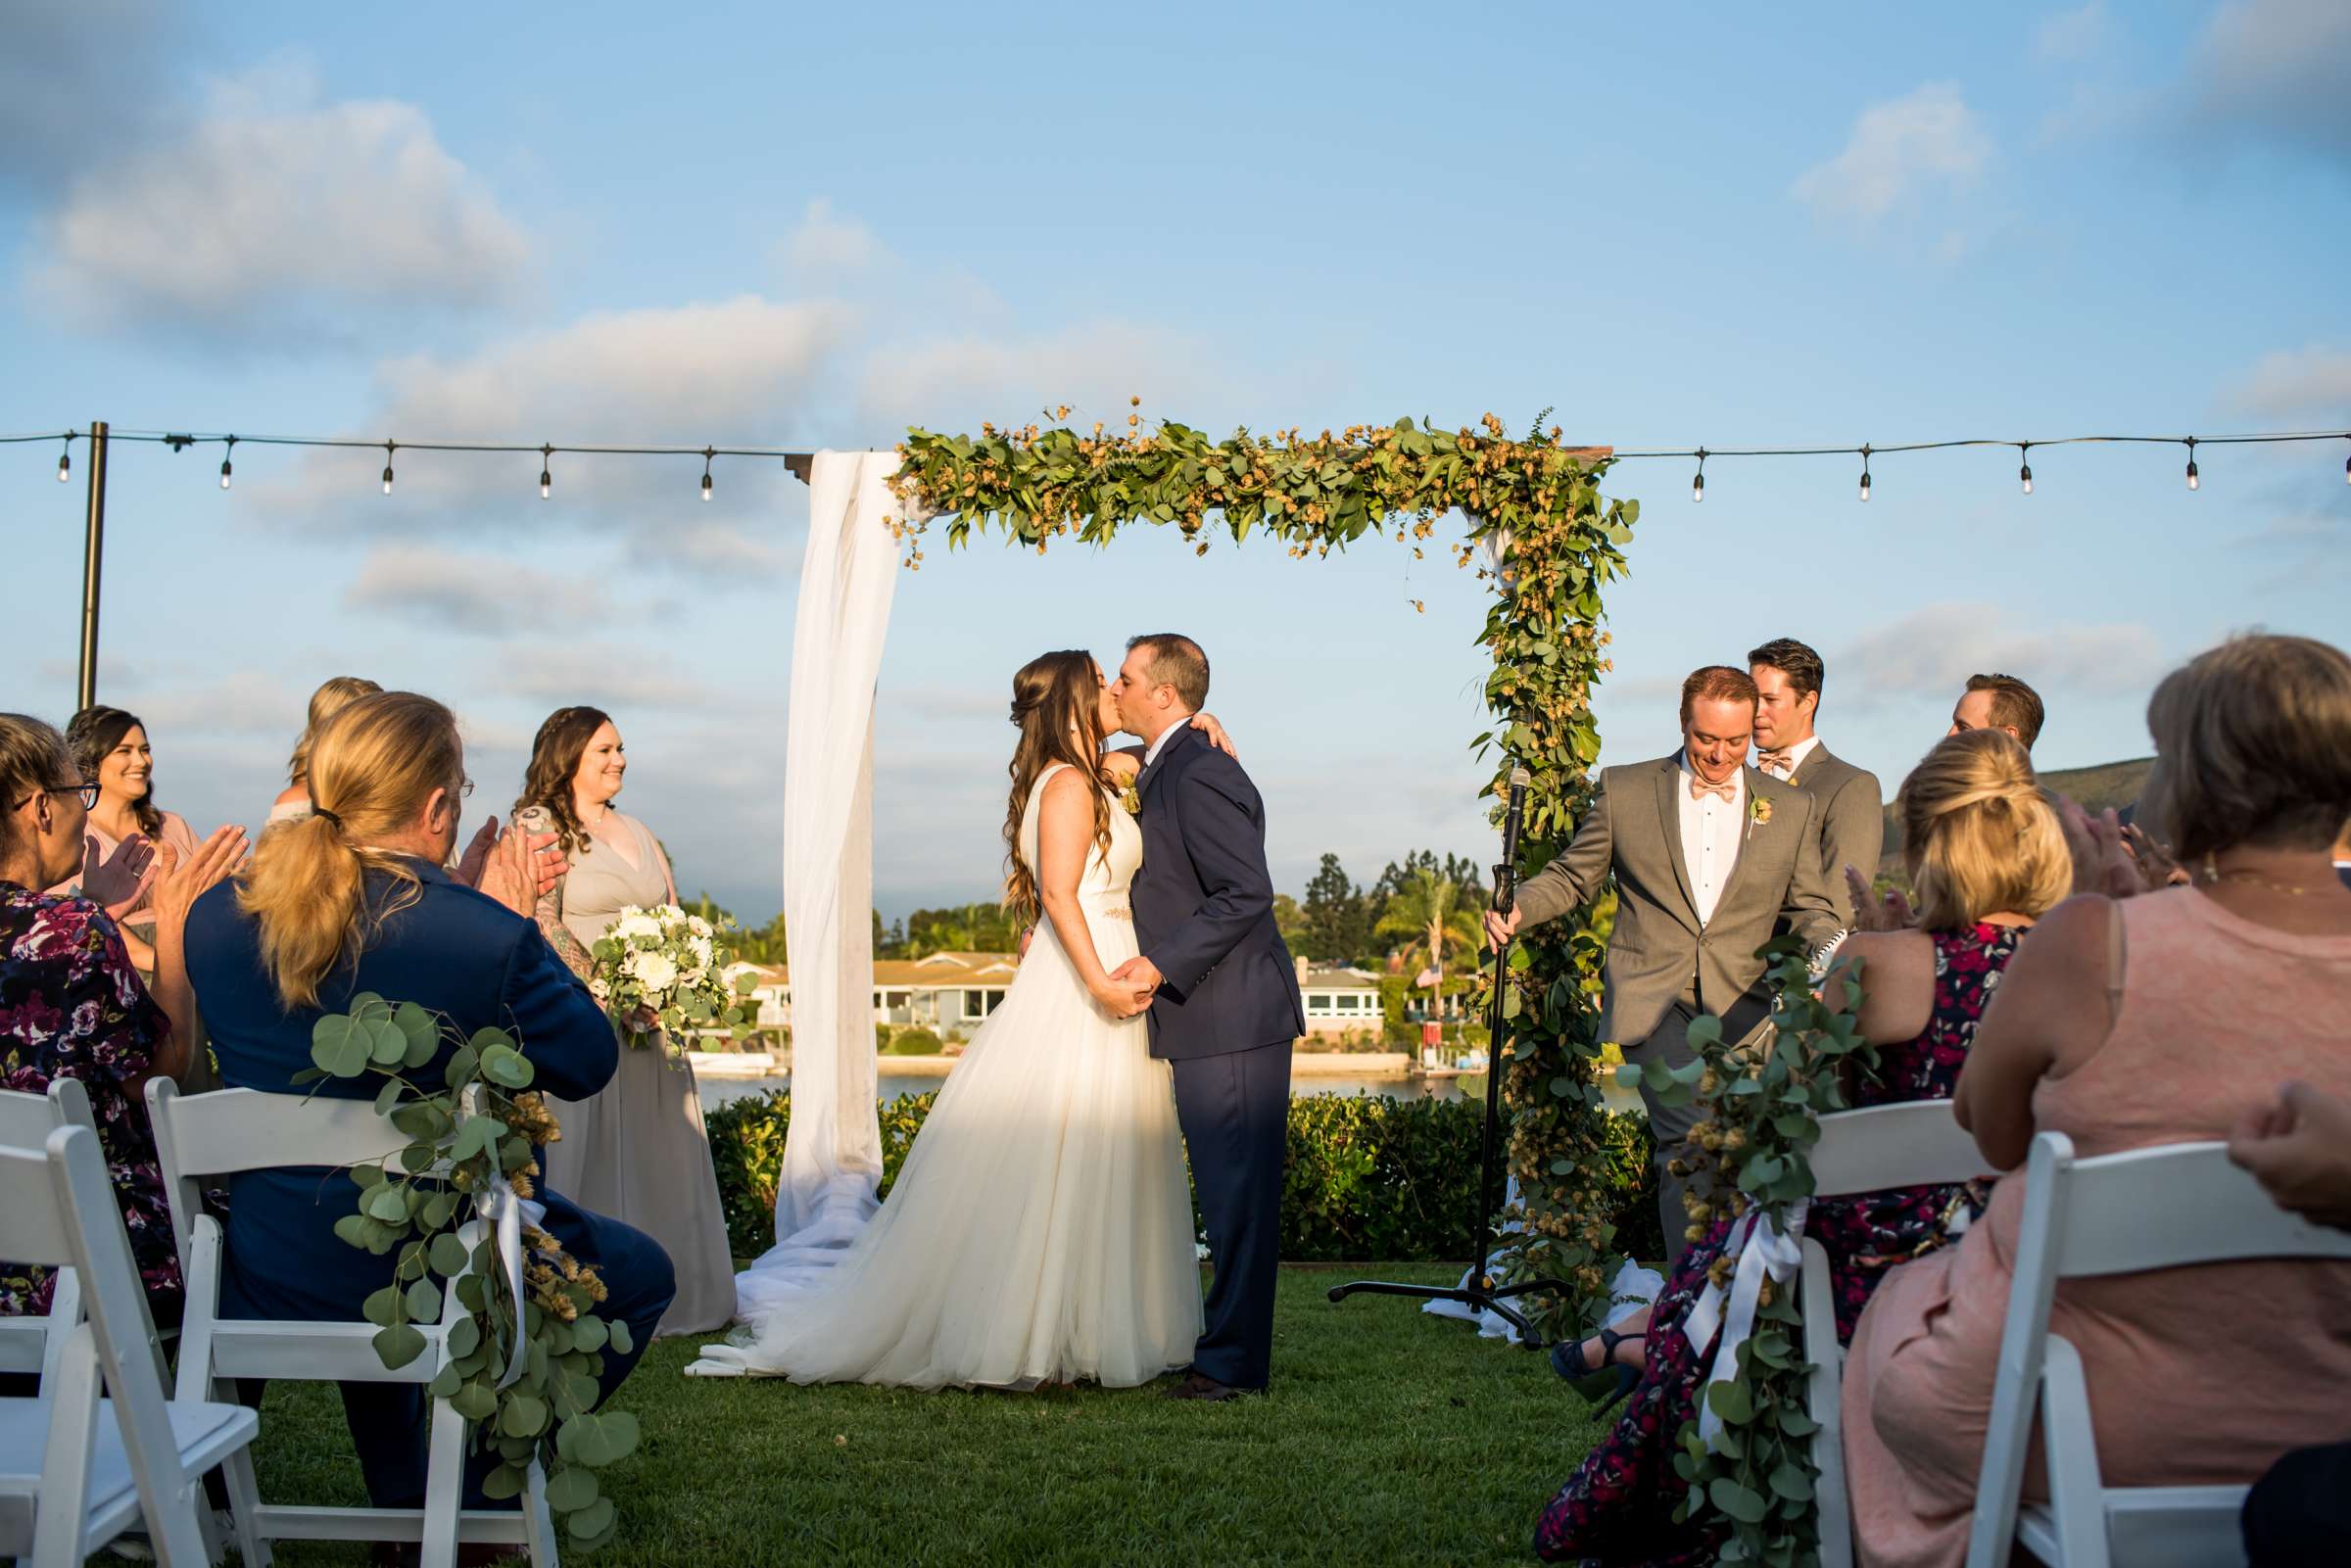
column 1781, row 763
column 1700, row 789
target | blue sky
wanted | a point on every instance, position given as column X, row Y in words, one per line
column 791, row 226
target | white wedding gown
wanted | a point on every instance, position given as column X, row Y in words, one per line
column 1041, row 1227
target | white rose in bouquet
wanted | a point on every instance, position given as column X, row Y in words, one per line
column 659, row 977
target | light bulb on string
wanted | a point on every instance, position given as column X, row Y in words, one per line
column 389, row 445
column 547, row 477
column 228, row 453
column 2347, row 466
column 2024, row 473
column 1697, row 486
column 709, row 453
column 65, row 462
column 1865, row 471
column 2193, row 482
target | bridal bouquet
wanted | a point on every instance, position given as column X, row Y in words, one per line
column 662, row 971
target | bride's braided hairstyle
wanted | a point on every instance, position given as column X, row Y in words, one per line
column 1979, row 836
column 1056, row 705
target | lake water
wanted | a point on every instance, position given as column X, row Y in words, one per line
column 717, row 1091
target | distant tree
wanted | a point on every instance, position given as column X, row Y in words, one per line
column 762, row 945
column 1337, row 920
column 1290, row 920
column 1436, row 920
column 962, row 928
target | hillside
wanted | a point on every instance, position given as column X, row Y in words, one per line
column 2108, row 784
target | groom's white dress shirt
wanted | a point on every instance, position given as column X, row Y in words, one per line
column 1796, row 758
column 1710, row 828
column 1151, row 752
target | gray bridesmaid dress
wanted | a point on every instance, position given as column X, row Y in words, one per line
column 635, row 1149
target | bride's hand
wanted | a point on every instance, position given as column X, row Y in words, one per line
column 1120, row 999
column 1207, row 724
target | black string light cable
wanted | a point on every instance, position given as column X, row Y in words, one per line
column 798, row 462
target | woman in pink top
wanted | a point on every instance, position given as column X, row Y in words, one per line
column 110, row 749
column 2133, row 1019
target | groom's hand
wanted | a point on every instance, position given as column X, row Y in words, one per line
column 1139, row 972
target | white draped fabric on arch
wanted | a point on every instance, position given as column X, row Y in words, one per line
column 827, row 1190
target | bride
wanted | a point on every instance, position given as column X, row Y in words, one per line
column 1041, row 1227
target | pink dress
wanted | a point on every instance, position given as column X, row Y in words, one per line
column 140, row 916
column 2196, row 1376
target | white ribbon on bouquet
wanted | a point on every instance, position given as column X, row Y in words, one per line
column 1762, row 1250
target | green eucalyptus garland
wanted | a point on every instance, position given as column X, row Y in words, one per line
column 468, row 1136
column 1763, row 1108
column 1554, row 541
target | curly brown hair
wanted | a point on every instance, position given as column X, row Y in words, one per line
column 1056, row 704
column 555, row 759
column 95, row 732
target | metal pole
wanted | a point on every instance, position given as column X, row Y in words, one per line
column 93, row 544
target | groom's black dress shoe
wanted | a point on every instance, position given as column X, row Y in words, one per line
column 1200, row 1386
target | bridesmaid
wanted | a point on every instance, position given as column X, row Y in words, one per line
column 334, row 694
column 111, row 750
column 635, row 1149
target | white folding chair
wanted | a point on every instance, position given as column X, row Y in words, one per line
column 2123, row 1213
column 1917, row 1143
column 101, row 1448
column 33, row 1344
column 233, row 1130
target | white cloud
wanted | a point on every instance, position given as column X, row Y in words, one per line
column 2076, row 34
column 1931, row 651
column 1898, row 150
column 719, row 550
column 273, row 208
column 470, row 592
column 825, row 244
column 611, row 676
column 2276, row 71
column 240, row 702
column 80, row 82
column 1096, row 367
column 2297, row 383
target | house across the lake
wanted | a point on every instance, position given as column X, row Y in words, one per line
column 949, row 993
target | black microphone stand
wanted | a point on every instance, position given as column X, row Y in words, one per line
column 1480, row 1294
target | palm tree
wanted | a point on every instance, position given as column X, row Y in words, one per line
column 1436, row 920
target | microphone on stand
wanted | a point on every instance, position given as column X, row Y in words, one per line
column 1505, row 875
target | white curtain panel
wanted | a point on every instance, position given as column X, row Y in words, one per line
column 832, row 1154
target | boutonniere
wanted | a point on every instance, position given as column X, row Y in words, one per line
column 1758, row 813
column 1132, row 800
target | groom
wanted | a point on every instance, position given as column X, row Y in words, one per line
column 1225, row 1004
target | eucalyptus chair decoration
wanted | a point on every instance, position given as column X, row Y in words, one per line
column 1748, row 1455
column 522, row 1362
column 1551, row 542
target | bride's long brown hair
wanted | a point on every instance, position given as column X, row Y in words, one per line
column 1056, row 704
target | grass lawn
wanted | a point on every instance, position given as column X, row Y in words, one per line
column 1389, row 1437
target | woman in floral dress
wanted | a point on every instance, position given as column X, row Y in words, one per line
column 1986, row 857
column 70, row 1004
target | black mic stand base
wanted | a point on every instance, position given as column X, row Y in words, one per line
column 1480, row 1294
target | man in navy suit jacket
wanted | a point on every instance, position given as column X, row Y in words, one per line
column 458, row 953
column 1224, row 1008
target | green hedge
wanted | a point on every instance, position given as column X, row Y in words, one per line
column 1369, row 1178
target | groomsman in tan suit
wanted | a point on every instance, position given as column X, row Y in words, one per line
column 1787, row 678
column 1708, row 855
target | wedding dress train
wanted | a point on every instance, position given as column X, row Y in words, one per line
column 1040, row 1229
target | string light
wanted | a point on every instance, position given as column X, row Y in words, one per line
column 64, row 462
column 2025, row 472
column 1697, row 486
column 225, row 457
column 547, row 477
column 1865, row 471
column 388, row 447
column 709, row 453
column 2192, row 482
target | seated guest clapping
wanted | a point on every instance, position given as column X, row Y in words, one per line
column 353, row 898
column 2162, row 1017
column 70, row 1004
column 111, row 750
column 1987, row 855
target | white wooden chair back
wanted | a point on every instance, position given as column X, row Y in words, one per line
column 1916, row 1143
column 2147, row 1208
column 78, row 1468
column 230, row 1131
column 33, row 1344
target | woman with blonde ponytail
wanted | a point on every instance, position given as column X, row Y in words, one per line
column 334, row 694
column 1986, row 857
column 353, row 898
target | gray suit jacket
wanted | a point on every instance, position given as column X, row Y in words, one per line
column 1852, row 820
column 1658, row 945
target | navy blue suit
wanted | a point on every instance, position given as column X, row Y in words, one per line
column 1225, row 1016
column 461, row 955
